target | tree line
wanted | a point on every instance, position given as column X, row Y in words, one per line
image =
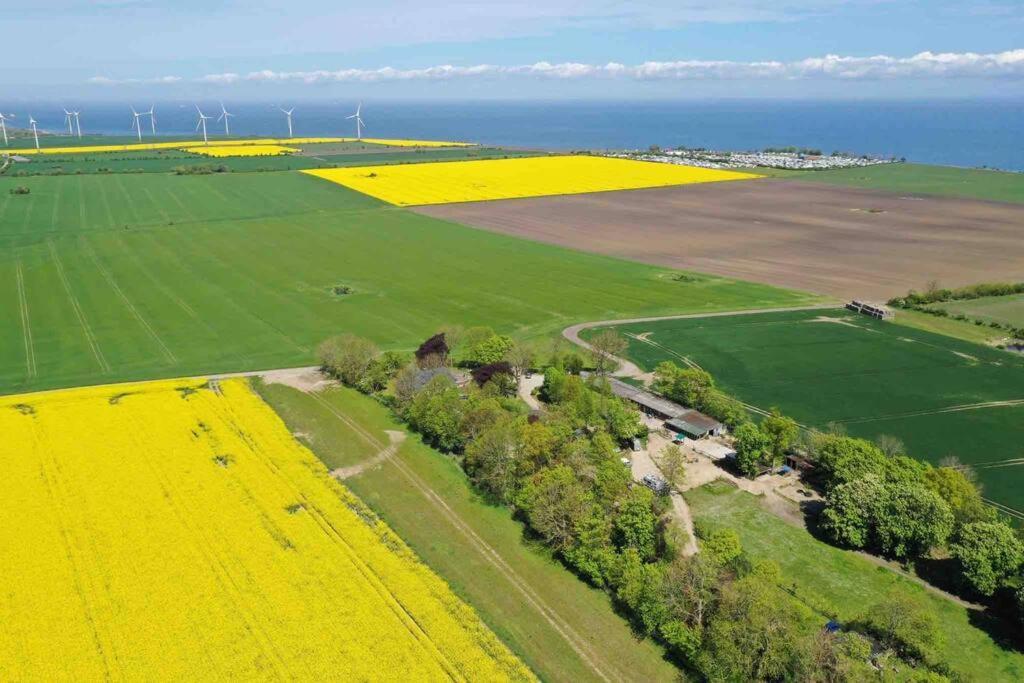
column 721, row 614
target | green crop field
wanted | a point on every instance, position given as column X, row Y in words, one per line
column 1008, row 310
column 919, row 179
column 847, row 583
column 165, row 161
column 114, row 277
column 478, row 548
column 872, row 377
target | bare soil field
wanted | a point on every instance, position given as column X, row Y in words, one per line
column 844, row 242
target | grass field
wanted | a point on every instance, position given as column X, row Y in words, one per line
column 562, row 629
column 164, row 161
column 978, row 334
column 1008, row 310
column 919, row 179
column 872, row 377
column 176, row 531
column 850, row 583
column 515, row 178
column 115, row 277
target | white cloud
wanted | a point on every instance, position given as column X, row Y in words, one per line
column 925, row 65
column 159, row 80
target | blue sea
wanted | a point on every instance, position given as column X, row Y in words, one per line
column 971, row 133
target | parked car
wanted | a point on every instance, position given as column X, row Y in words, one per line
column 655, row 483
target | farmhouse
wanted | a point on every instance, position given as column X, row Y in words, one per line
column 423, row 377
column 649, row 404
column 695, row 425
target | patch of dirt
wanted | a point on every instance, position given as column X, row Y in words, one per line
column 781, row 232
column 304, row 379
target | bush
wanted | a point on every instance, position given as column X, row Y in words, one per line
column 20, row 189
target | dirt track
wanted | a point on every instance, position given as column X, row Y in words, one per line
column 840, row 241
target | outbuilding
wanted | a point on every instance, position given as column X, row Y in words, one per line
column 695, row 425
column 648, row 403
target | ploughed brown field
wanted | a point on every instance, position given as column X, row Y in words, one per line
column 844, row 242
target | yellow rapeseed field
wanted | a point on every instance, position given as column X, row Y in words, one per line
column 187, row 144
column 176, row 531
column 468, row 181
column 242, row 150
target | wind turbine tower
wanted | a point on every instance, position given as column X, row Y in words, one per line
column 225, row 115
column 32, row 122
column 136, row 124
column 78, row 123
column 69, row 119
column 359, row 121
column 202, row 124
column 288, row 113
column 152, row 119
column 3, row 125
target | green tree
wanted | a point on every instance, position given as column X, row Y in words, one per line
column 673, row 464
column 849, row 515
column 721, row 546
column 989, row 553
column 554, row 388
column 554, row 502
column 347, row 357
column 842, row 459
column 910, row 520
column 640, row 589
column 381, row 371
column 903, row 625
column 489, row 350
column 843, row 657
column 755, row 635
column 494, row 458
column 782, row 432
column 605, row 348
column 436, row 412
column 961, row 493
column 753, row 448
column 688, row 386
column 690, row 589
column 636, row 525
column 592, row 555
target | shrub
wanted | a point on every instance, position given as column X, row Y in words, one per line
column 20, row 189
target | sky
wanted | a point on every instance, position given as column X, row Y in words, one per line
column 525, row 49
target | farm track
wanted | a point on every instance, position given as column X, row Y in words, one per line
column 579, row 645
column 26, row 324
column 168, row 355
column 90, row 337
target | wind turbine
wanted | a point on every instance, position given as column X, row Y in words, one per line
column 202, row 123
column 152, row 118
column 225, row 115
column 136, row 124
column 3, row 125
column 78, row 123
column 359, row 121
column 288, row 113
column 32, row 122
column 69, row 119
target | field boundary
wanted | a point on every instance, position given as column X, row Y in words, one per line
column 575, row 641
